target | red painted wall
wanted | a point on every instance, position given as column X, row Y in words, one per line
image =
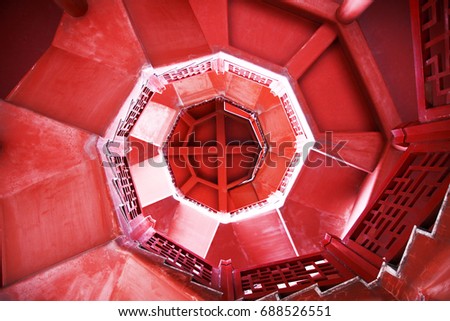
column 108, row 272
column 54, row 202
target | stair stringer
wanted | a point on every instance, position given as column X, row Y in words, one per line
column 397, row 274
column 315, row 293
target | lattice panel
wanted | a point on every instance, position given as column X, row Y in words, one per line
column 220, row 66
column 180, row 258
column 189, row 71
column 436, row 51
column 247, row 73
column 126, row 126
column 125, row 188
column 407, row 201
column 295, row 124
column 289, row 172
column 251, row 207
column 293, row 275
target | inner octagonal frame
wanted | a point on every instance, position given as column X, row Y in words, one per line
column 217, row 156
column 278, row 85
column 154, row 81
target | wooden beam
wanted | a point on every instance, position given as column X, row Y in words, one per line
column 355, row 43
column 311, row 51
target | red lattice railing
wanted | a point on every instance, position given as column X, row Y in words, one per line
column 188, row 71
column 124, row 186
column 284, row 277
column 181, row 258
column 436, row 51
column 126, row 126
column 410, row 198
column 123, row 183
column 218, row 65
column 247, row 73
column 293, row 120
column 430, row 26
column 289, row 172
column 289, row 276
column 251, row 207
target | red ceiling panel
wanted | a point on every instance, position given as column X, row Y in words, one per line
column 267, row 31
column 168, row 30
column 74, row 90
column 334, row 95
column 105, row 35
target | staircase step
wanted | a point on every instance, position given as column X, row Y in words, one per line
column 441, row 230
column 352, row 290
column 206, row 293
column 270, row 297
column 423, row 274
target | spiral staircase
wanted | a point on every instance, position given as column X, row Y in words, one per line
column 125, row 125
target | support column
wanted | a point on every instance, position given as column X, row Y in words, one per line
column 226, row 280
column 310, row 52
column 362, row 262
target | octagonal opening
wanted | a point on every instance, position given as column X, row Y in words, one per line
column 213, row 148
column 170, row 121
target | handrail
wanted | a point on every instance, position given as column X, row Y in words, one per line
column 284, row 277
column 181, row 258
column 126, row 126
column 124, row 186
column 289, row 276
column 410, row 197
column 122, row 181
